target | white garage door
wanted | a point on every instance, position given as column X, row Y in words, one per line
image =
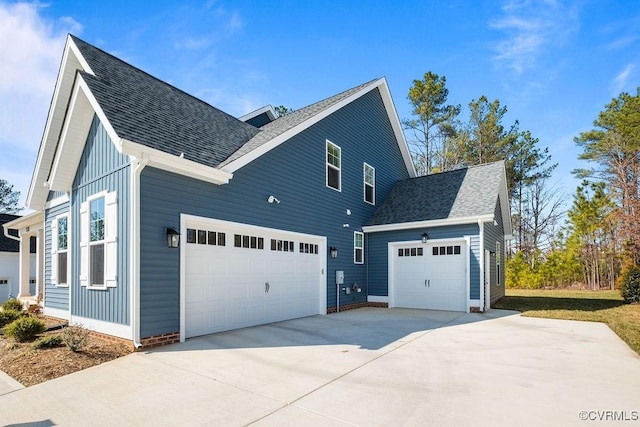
column 430, row 276
column 238, row 276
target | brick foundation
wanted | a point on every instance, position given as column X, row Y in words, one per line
column 159, row 340
column 475, row 310
column 353, row 306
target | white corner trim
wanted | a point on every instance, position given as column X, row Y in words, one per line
column 266, row 109
column 375, row 298
column 393, row 117
column 426, row 224
column 108, row 328
column 56, row 312
column 176, row 164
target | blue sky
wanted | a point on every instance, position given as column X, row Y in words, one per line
column 554, row 63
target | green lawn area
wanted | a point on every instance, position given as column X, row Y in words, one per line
column 592, row 306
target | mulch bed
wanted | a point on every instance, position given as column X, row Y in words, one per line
column 32, row 366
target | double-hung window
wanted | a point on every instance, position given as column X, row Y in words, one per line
column 98, row 241
column 369, row 178
column 358, row 247
column 60, row 258
column 333, row 166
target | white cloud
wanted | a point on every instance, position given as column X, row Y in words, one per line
column 620, row 80
column 531, row 28
column 30, row 51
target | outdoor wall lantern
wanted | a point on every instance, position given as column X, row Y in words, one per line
column 333, row 251
column 425, row 237
column 173, row 237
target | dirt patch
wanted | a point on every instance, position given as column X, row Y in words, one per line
column 32, row 366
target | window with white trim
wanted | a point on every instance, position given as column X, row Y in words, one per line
column 358, row 247
column 334, row 160
column 98, row 241
column 369, row 182
column 60, row 255
column 498, row 259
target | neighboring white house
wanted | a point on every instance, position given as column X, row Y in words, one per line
column 10, row 262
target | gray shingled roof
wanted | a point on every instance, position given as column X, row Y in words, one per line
column 468, row 192
column 283, row 124
column 11, row 245
column 151, row 112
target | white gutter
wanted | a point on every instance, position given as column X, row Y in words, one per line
column 136, row 169
column 426, row 224
column 6, row 233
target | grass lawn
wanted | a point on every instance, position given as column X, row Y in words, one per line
column 593, row 306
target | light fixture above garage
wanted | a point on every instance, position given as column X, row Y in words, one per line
column 333, row 251
column 273, row 199
column 425, row 237
column 173, row 237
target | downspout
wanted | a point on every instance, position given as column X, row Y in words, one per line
column 482, row 284
column 137, row 165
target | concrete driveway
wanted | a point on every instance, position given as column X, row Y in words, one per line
column 363, row 367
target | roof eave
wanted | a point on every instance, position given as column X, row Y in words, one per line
column 427, row 223
column 175, row 164
column 72, row 61
column 268, row 109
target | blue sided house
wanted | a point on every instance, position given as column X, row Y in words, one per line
column 163, row 218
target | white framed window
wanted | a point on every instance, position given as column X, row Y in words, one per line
column 498, row 259
column 98, row 241
column 369, row 182
column 334, row 162
column 358, row 247
column 60, row 254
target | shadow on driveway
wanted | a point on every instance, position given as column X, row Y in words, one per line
column 365, row 328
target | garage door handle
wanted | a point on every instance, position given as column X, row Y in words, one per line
column 266, row 287
column 427, row 283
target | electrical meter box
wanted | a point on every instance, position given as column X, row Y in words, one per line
column 339, row 277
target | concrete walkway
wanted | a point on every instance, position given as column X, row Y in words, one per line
column 363, row 367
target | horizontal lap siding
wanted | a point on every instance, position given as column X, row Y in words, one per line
column 102, row 168
column 378, row 249
column 293, row 172
column 55, row 296
column 493, row 234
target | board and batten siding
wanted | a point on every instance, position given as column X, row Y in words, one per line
column 493, row 234
column 102, row 168
column 293, row 172
column 56, row 297
column 378, row 249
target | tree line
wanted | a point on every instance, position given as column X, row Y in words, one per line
column 589, row 243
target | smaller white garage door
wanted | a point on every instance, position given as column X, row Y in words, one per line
column 238, row 276
column 430, row 276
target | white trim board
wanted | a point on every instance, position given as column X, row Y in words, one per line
column 472, row 220
column 108, row 328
